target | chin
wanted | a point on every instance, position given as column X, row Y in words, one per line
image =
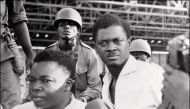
column 39, row 105
column 113, row 64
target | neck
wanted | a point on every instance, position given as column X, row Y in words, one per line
column 116, row 70
column 63, row 48
column 63, row 103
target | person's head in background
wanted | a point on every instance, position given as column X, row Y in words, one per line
column 141, row 50
column 176, row 76
column 68, row 23
column 176, row 81
column 50, row 80
column 112, row 37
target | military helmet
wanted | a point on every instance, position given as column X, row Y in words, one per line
column 68, row 14
column 140, row 45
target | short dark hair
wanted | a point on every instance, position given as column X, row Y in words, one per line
column 110, row 20
column 58, row 57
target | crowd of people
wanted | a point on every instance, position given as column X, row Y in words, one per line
column 67, row 74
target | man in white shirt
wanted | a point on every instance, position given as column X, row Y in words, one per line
column 130, row 84
column 50, row 82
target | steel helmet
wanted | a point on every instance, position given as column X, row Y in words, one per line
column 69, row 14
column 140, row 45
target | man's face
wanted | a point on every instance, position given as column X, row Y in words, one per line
column 67, row 32
column 112, row 45
column 140, row 56
column 47, row 84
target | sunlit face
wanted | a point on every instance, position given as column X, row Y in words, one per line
column 47, row 84
column 112, row 45
column 67, row 32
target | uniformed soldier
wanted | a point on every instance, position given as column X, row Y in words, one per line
column 141, row 50
column 88, row 85
column 12, row 14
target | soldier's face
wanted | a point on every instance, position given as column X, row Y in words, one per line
column 67, row 32
column 67, row 29
column 140, row 56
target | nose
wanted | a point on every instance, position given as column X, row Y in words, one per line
column 66, row 26
column 111, row 46
column 37, row 86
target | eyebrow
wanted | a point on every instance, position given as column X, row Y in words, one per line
column 110, row 39
column 41, row 77
column 102, row 40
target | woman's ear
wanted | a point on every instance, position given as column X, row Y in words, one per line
column 69, row 83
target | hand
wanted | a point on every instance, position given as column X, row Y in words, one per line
column 82, row 99
column 176, row 86
column 29, row 63
column 99, row 104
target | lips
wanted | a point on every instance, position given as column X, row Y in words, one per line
column 66, row 32
column 112, row 55
column 37, row 99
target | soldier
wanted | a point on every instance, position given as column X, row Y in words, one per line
column 141, row 50
column 87, row 85
column 12, row 67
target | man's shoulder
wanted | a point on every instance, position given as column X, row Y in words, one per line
column 143, row 64
column 52, row 46
column 85, row 45
column 77, row 104
column 149, row 67
column 157, row 66
column 28, row 105
column 87, row 49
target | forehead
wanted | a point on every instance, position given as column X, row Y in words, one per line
column 112, row 32
column 48, row 68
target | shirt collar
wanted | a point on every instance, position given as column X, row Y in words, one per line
column 72, row 104
column 130, row 66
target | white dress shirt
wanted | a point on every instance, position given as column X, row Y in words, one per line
column 138, row 86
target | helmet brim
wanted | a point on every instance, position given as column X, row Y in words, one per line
column 56, row 23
